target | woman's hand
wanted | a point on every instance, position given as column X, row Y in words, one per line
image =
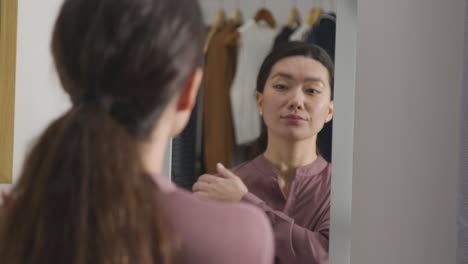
column 227, row 188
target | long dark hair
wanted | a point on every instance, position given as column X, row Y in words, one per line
column 83, row 195
column 278, row 53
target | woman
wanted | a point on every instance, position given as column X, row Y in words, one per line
column 90, row 189
column 289, row 180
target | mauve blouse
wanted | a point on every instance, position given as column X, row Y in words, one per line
column 211, row 232
column 301, row 221
column 214, row 232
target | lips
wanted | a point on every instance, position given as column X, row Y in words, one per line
column 293, row 117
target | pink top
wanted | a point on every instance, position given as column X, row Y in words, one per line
column 214, row 232
column 301, row 221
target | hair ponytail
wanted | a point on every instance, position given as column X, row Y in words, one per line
column 83, row 197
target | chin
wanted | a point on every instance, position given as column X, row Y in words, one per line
column 295, row 136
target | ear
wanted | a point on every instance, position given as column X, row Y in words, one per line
column 185, row 102
column 331, row 108
column 259, row 99
column 188, row 95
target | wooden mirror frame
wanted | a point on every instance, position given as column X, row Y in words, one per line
column 8, row 25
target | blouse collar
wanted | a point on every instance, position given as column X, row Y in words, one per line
column 314, row 168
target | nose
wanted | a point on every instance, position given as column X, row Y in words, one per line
column 296, row 101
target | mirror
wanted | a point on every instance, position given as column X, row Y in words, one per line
column 281, row 11
column 228, row 120
column 8, row 12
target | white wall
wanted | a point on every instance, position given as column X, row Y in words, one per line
column 38, row 97
column 406, row 131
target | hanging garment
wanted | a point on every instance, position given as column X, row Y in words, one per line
column 300, row 33
column 301, row 219
column 183, row 170
column 215, row 27
column 218, row 131
column 283, row 36
column 254, row 44
column 324, row 33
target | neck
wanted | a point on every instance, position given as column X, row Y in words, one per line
column 287, row 155
column 154, row 151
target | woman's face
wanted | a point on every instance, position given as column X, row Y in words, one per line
column 296, row 98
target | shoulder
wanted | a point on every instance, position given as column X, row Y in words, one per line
column 321, row 165
column 245, row 168
column 185, row 203
column 219, row 232
column 325, row 170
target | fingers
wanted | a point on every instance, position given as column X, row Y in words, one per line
column 208, row 178
column 208, row 182
column 201, row 186
column 224, row 172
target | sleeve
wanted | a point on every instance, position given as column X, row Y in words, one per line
column 294, row 243
column 260, row 245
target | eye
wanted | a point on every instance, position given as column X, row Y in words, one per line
column 312, row 91
column 280, row 87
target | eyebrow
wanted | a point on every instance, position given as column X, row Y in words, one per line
column 291, row 77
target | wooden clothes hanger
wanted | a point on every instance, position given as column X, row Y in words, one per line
column 263, row 14
column 314, row 15
column 294, row 19
column 237, row 16
column 218, row 22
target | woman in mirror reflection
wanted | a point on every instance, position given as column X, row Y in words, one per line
column 288, row 179
column 91, row 189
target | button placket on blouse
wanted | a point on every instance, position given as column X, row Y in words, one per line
column 290, row 199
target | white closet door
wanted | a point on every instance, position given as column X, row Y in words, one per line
column 462, row 214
